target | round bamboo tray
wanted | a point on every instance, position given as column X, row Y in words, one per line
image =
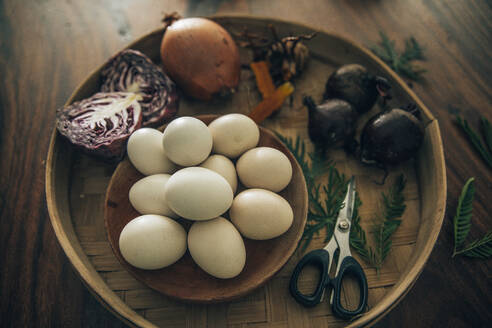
column 76, row 186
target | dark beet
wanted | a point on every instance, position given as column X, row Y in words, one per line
column 132, row 71
column 100, row 125
column 391, row 137
column 353, row 83
column 331, row 123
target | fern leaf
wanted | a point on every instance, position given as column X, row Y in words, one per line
column 480, row 248
column 389, row 48
column 357, row 235
column 394, row 203
column 377, row 231
column 475, row 140
column 413, row 50
column 389, row 228
column 487, row 132
column 326, row 200
column 401, row 63
column 463, row 215
column 382, row 233
column 321, row 215
column 319, row 164
column 306, row 240
column 394, row 207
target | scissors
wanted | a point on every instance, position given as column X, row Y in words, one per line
column 323, row 258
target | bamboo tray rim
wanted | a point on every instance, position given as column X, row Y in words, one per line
column 108, row 298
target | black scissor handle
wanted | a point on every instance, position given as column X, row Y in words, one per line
column 319, row 258
column 349, row 265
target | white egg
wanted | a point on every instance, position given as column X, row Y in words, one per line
column 261, row 214
column 187, row 141
column 198, row 193
column 217, row 247
column 146, row 153
column 223, row 166
column 233, row 134
column 264, row 167
column 147, row 196
column 152, row 242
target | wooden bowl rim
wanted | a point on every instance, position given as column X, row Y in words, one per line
column 289, row 251
column 115, row 304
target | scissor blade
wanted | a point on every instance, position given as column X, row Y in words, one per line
column 349, row 201
column 343, row 225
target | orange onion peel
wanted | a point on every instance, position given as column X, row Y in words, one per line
column 263, row 78
column 268, row 105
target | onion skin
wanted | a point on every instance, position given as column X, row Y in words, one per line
column 201, row 57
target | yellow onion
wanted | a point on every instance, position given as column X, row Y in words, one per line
column 201, row 57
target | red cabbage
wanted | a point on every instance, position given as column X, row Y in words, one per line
column 132, row 71
column 100, row 125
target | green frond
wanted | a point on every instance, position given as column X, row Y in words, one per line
column 315, row 202
column 319, row 164
column 413, row 51
column 329, row 228
column 487, row 132
column 480, row 248
column 401, row 63
column 474, row 139
column 411, row 72
column 463, row 215
column 326, row 200
column 381, row 53
column 394, row 201
column 389, row 48
column 357, row 235
column 394, row 207
column 305, row 241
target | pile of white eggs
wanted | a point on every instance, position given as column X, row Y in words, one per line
column 184, row 180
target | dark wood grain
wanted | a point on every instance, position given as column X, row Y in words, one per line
column 48, row 47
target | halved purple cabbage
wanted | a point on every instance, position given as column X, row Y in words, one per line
column 100, row 125
column 132, row 71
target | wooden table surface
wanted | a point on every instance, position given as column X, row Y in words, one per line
column 48, row 47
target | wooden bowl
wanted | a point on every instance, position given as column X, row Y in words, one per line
column 76, row 187
column 185, row 280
